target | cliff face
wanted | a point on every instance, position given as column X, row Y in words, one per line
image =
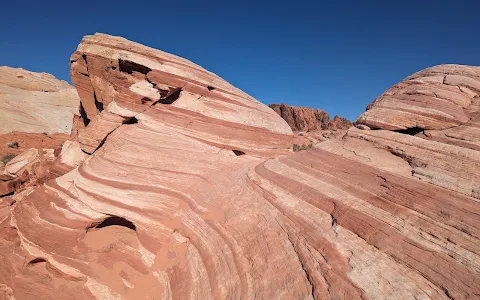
column 191, row 191
column 302, row 119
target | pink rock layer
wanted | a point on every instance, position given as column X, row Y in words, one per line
column 164, row 209
column 122, row 82
column 436, row 98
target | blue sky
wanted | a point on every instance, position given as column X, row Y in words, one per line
column 334, row 55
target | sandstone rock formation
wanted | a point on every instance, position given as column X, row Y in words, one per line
column 192, row 193
column 431, row 122
column 436, row 98
column 303, row 119
column 27, row 100
column 120, row 82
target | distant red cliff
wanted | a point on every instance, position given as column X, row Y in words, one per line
column 309, row 119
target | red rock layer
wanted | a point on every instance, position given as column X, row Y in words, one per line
column 303, row 119
column 162, row 212
column 35, row 168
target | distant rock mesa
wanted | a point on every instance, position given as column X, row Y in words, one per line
column 303, row 119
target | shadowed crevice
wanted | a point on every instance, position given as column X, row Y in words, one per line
column 132, row 120
column 113, row 221
column 171, row 97
column 36, row 261
column 129, row 67
column 411, row 131
column 83, row 114
column 98, row 104
column 238, row 152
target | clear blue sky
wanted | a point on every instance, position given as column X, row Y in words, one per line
column 334, row 55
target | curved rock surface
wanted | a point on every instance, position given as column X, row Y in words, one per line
column 120, row 81
column 302, row 119
column 164, row 209
column 437, row 98
column 431, row 121
column 27, row 100
column 449, row 166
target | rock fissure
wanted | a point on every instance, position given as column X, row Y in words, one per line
column 306, row 273
column 112, row 221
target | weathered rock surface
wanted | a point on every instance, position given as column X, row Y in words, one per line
column 27, row 100
column 37, row 114
column 444, row 97
column 431, row 122
column 31, row 167
column 450, row 166
column 164, row 209
column 302, row 119
column 120, row 82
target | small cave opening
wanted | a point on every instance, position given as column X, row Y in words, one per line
column 146, row 100
column 238, row 152
column 129, row 67
column 171, row 97
column 132, row 120
column 210, row 88
column 113, row 221
column 83, row 114
column 410, row 131
column 37, row 260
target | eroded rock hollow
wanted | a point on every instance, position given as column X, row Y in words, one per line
column 191, row 191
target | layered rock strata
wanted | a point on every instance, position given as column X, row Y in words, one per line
column 121, row 82
column 182, row 200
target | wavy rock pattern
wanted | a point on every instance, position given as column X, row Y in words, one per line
column 434, row 122
column 165, row 209
column 437, row 98
column 120, row 81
